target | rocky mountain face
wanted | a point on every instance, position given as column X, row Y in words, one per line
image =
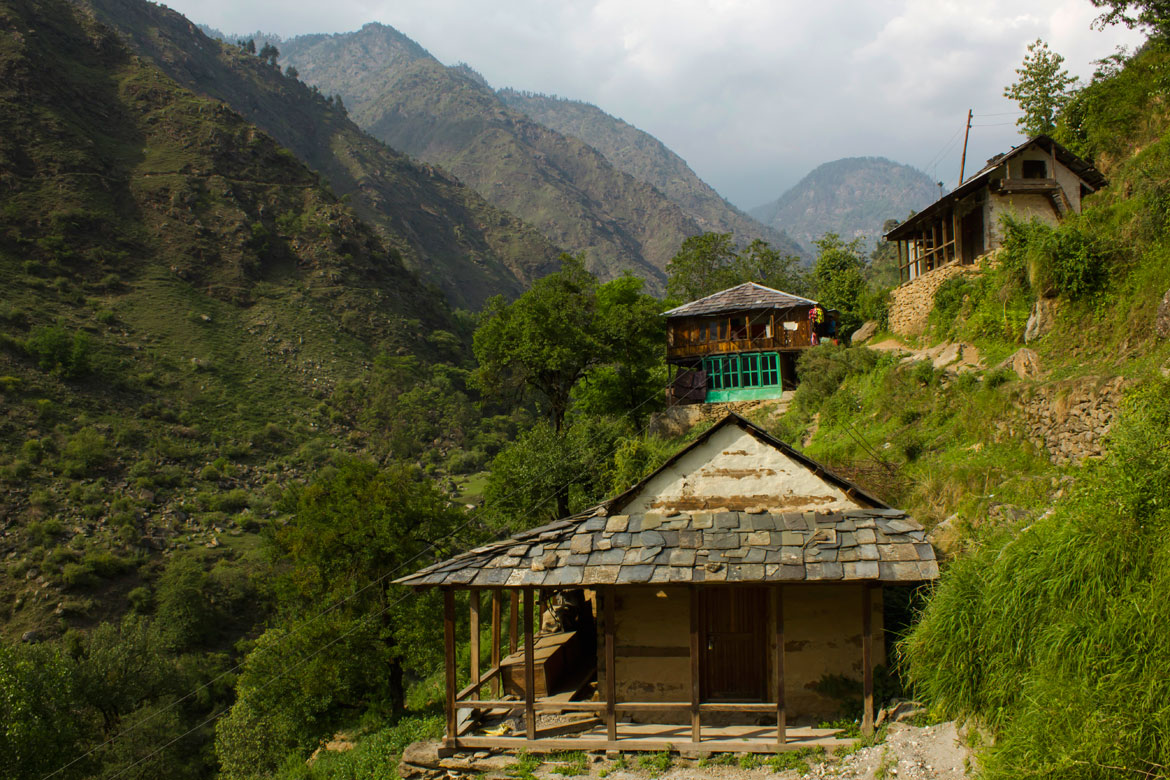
column 443, row 230
column 851, row 197
column 447, row 116
column 647, row 159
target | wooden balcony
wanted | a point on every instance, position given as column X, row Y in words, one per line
column 784, row 339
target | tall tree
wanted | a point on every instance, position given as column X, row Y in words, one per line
column 709, row 262
column 1153, row 15
column 1041, row 90
column 839, row 278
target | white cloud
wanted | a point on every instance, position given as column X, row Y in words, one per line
column 753, row 93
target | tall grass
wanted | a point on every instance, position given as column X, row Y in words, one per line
column 1056, row 635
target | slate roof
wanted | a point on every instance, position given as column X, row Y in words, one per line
column 1090, row 175
column 742, row 297
column 597, row 548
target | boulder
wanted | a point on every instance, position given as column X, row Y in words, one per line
column 945, row 536
column 1041, row 320
column 1025, row 362
column 864, row 333
column 1162, row 319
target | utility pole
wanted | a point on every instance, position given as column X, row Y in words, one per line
column 966, row 135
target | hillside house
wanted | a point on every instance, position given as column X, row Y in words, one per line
column 697, row 610
column 1039, row 178
column 741, row 343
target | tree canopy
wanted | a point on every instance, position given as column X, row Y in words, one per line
column 1041, row 90
column 1153, row 15
column 710, row 262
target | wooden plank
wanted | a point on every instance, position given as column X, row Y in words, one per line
column 529, row 669
column 649, row 745
column 493, row 673
column 778, row 617
column 610, row 665
column 497, row 607
column 903, row 269
column 513, row 619
column 763, row 707
column 449, row 660
column 867, row 660
column 696, row 698
column 473, row 600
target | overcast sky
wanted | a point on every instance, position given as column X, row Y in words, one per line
column 752, row 93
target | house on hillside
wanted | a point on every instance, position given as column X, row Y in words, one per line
column 697, row 610
column 1039, row 178
column 741, row 343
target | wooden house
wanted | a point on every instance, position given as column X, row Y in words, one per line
column 741, row 343
column 1039, row 178
column 697, row 610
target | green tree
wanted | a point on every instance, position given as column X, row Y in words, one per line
column 1153, row 15
column 839, row 279
column 1041, row 90
column 269, row 54
column 544, row 342
column 709, row 262
column 40, row 725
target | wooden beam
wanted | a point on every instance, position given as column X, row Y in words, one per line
column 903, row 270
column 610, row 666
column 473, row 600
column 449, row 660
column 696, row 697
column 513, row 619
column 867, row 659
column 497, row 608
column 957, row 252
column 781, row 710
column 529, row 669
column 641, row 651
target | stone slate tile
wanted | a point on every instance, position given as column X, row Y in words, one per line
column 577, row 560
column 635, row 524
column 621, row 539
column 754, row 555
column 720, row 541
column 792, row 539
column 600, row 575
column 867, row 552
column 650, row 522
column 581, row 543
column 925, row 552
column 530, row 577
column 865, row 536
column 789, row 572
column 735, row 554
column 633, row 555
column 862, row 570
column 791, row 555
column 928, row 570
column 505, row 561
column 772, row 556
column 651, row 539
column 689, row 538
column 702, row 520
column 727, row 520
column 639, row 573
column 746, row 572
column 670, row 538
column 917, row 536
column 648, row 554
column 825, row 571
column 902, row 527
column 461, row 577
column 607, row 557
column 596, row 524
column 758, row 538
column 680, row 574
column 617, row 523
column 663, row 558
column 682, row 557
column 817, row 554
column 846, row 524
column 515, row 578
column 846, row 538
column 848, row 554
column 716, row 575
column 661, row 574
column 603, row 544
column 518, row 550
column 901, row 552
column 864, row 522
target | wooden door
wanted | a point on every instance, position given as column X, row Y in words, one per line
column 734, row 651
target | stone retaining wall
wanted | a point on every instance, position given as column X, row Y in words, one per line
column 911, row 303
column 1070, row 419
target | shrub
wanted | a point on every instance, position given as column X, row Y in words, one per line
column 84, row 451
column 56, row 349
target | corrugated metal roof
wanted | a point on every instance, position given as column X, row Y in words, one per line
column 742, row 297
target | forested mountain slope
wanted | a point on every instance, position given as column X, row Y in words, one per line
column 566, row 189
column 444, row 231
column 176, row 290
column 851, row 197
column 647, row 159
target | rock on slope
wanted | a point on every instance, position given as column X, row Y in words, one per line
column 646, row 158
column 851, row 197
column 444, row 230
column 568, row 190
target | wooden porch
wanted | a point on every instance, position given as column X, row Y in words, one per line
column 586, row 714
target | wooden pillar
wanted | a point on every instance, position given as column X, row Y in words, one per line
column 903, row 270
column 956, row 246
column 696, row 690
column 610, row 668
column 529, row 669
column 867, row 659
column 473, row 599
column 513, row 620
column 781, row 705
column 449, row 660
column 497, row 609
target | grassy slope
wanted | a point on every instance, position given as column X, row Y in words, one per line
column 222, row 291
column 647, row 159
column 561, row 186
column 445, row 231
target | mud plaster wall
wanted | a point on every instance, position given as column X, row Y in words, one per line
column 822, row 636
column 734, row 470
column 1023, row 206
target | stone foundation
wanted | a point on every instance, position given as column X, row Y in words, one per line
column 1070, row 419
column 911, row 303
